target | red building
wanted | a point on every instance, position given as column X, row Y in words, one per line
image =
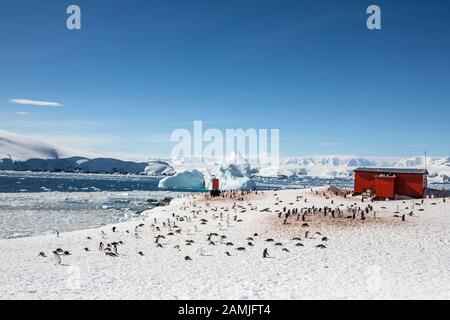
column 215, row 191
column 389, row 182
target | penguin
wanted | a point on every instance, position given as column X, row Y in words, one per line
column 265, row 253
column 279, row 244
column 86, row 249
column 296, row 239
column 114, row 249
column 140, row 253
column 285, row 250
column 306, row 234
column 404, row 217
column 56, row 259
column 67, row 253
column 320, row 246
column 42, row 254
column 57, row 233
column 103, row 234
column 324, row 239
column 113, row 229
column 270, row 240
column 100, row 246
column 299, row 245
column 240, row 249
column 251, row 244
column 228, row 254
column 187, row 258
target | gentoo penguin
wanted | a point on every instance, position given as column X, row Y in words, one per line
column 299, row 245
column 265, row 253
column 113, row 229
column 285, row 250
column 404, row 217
column 228, row 254
column 187, row 258
column 67, row 253
column 240, row 249
column 57, row 233
column 86, row 249
column 320, row 246
column 140, row 253
column 114, row 249
column 56, row 259
column 251, row 244
column 306, row 234
column 296, row 239
column 324, row 239
column 42, row 254
column 100, row 246
column 279, row 244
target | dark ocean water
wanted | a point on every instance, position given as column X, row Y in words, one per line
column 13, row 182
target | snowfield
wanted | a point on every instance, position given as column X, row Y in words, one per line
column 381, row 257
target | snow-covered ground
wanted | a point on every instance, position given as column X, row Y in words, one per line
column 380, row 257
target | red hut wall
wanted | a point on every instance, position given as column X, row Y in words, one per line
column 412, row 185
column 364, row 180
column 215, row 184
column 385, row 186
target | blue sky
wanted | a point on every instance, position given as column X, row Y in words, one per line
column 140, row 69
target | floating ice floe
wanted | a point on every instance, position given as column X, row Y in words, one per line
column 186, row 179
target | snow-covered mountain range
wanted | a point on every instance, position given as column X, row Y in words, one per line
column 21, row 153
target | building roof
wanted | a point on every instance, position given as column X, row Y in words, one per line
column 392, row 170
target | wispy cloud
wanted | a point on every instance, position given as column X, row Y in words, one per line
column 21, row 113
column 35, row 103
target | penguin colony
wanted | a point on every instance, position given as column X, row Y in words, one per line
column 176, row 231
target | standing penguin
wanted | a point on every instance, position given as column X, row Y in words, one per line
column 100, row 246
column 265, row 253
column 114, row 249
column 57, row 233
column 56, row 259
